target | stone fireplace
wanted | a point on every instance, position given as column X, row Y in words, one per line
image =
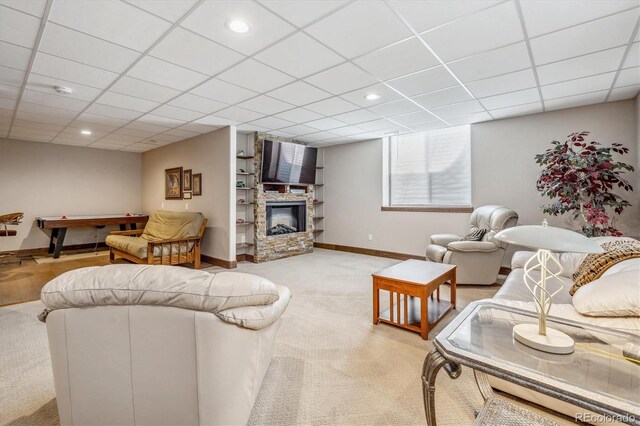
column 285, row 217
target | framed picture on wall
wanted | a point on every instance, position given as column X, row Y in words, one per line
column 187, row 195
column 186, row 176
column 197, row 184
column 173, row 183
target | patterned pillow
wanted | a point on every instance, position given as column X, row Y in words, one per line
column 475, row 235
column 595, row 264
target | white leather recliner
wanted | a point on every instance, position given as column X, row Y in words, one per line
column 161, row 345
column 478, row 262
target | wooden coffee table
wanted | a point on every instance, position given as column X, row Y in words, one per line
column 416, row 280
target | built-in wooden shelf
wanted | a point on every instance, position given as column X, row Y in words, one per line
column 319, row 184
column 243, row 245
column 237, row 187
column 244, row 173
column 319, row 167
column 318, row 217
column 318, row 230
column 8, row 233
column 244, row 223
column 318, row 202
column 245, row 204
column 244, row 157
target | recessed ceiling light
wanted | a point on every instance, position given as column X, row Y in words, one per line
column 372, row 96
column 63, row 90
column 85, row 132
column 239, row 27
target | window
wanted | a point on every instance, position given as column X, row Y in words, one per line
column 429, row 169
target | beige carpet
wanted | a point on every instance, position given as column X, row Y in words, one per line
column 331, row 365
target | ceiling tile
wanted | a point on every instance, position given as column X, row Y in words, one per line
column 578, row 86
column 301, row 14
column 177, row 113
column 131, row 131
column 45, row 84
column 197, row 103
column 166, row 74
column 415, row 118
column 9, row 92
column 358, row 97
column 320, row 136
column 518, row 80
column 250, row 127
column 468, row 107
column 500, row 61
column 633, row 57
column 110, row 20
column 272, row 123
column 623, row 93
column 331, row 106
column 96, row 128
column 101, row 120
column 298, row 129
column 32, row 7
column 424, row 15
column 255, row 76
column 42, row 118
column 299, row 93
column 544, row 16
column 299, row 55
column 355, row 117
column 203, row 55
column 265, row 105
column 18, row 28
column 394, row 108
column 299, row 115
column 157, row 120
column 35, row 131
column 222, row 91
column 423, row 82
column 511, row 99
column 347, row 32
column 138, row 125
column 14, row 56
column 438, row 98
column 238, row 114
column 628, row 77
column 453, row 40
column 586, row 38
column 200, row 128
column 143, row 89
column 398, row 59
column 171, row 10
column 469, row 118
column 54, row 100
column 11, row 76
column 325, row 124
column 86, row 49
column 583, row 66
column 376, row 125
column 64, row 69
column 182, row 133
column 119, row 100
column 43, row 110
column 341, row 79
column 283, row 134
column 347, row 131
column 139, row 147
column 210, row 19
column 109, row 111
column 576, row 101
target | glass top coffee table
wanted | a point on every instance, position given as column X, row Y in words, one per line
column 598, row 376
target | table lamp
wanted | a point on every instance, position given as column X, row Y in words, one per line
column 546, row 239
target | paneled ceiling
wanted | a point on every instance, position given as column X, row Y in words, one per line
column 146, row 73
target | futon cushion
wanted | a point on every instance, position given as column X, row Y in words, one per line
column 594, row 265
column 157, row 285
column 137, row 246
column 168, row 225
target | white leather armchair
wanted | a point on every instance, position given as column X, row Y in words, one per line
column 478, row 262
column 133, row 344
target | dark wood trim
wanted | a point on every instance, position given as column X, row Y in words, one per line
column 45, row 250
column 369, row 252
column 227, row 264
column 245, row 258
column 427, row 209
column 504, row 270
column 70, row 223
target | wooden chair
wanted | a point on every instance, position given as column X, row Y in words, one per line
column 5, row 221
column 163, row 252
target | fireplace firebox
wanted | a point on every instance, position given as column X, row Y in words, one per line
column 286, row 217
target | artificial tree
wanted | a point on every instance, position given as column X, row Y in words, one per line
column 580, row 178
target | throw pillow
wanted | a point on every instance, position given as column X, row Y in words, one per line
column 475, row 235
column 595, row 264
column 615, row 295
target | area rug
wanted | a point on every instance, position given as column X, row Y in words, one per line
column 331, row 365
column 66, row 257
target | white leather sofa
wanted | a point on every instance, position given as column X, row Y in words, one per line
column 134, row 344
column 478, row 262
column 514, row 293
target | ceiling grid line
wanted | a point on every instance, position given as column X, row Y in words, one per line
column 530, row 52
column 634, row 33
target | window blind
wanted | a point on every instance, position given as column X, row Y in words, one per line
column 431, row 168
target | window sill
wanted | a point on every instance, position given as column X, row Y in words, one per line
column 426, row 209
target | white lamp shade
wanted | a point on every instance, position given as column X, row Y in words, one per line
column 548, row 238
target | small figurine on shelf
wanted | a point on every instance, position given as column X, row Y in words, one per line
column 240, row 184
column 242, row 171
column 242, row 201
column 240, row 221
column 241, row 153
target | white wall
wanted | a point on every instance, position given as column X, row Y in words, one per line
column 213, row 155
column 503, row 171
column 42, row 179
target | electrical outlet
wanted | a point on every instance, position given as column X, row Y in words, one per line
column 186, row 206
column 370, row 237
column 162, row 206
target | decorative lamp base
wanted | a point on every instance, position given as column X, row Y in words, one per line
column 555, row 342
